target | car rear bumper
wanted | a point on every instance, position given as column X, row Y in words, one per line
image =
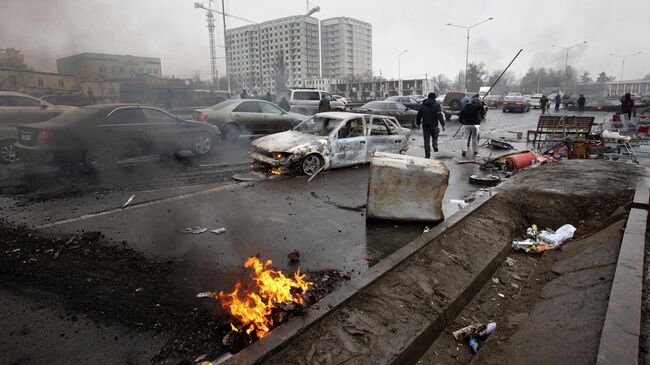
column 47, row 153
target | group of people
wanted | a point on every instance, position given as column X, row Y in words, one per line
column 545, row 104
column 431, row 118
column 284, row 103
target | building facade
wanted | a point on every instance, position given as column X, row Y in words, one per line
column 103, row 67
column 36, row 83
column 346, row 48
column 274, row 55
column 379, row 90
column 12, row 58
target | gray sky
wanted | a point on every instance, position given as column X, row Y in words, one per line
column 176, row 32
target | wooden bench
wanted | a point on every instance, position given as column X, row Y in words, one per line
column 557, row 128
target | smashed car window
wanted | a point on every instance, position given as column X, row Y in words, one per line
column 352, row 128
column 318, row 126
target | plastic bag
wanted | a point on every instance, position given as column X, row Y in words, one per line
column 557, row 238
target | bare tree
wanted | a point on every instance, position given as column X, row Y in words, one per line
column 280, row 76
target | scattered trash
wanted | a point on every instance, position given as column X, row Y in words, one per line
column 473, row 344
column 128, row 201
column 501, row 295
column 498, row 145
column 366, row 258
column 426, row 229
column 487, row 180
column 557, row 238
column 206, row 294
column 517, row 277
column 201, row 358
column 491, row 326
column 139, row 289
column 471, row 330
column 474, row 331
column 218, row 231
column 544, row 240
column 344, row 274
column 193, row 230
column 510, row 262
column 222, row 359
column 461, row 203
column 294, row 256
column 514, row 285
column 495, row 280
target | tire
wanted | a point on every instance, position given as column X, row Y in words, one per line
column 310, row 164
column 99, row 157
column 7, row 152
column 231, row 133
column 202, row 143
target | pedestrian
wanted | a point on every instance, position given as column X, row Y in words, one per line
column 244, row 94
column 267, row 97
column 255, row 94
column 168, row 99
column 543, row 103
column 470, row 119
column 558, row 101
column 465, row 101
column 284, row 104
column 581, row 103
column 627, row 105
column 324, row 105
column 429, row 115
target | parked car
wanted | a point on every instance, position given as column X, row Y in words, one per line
column 419, row 98
column 568, row 101
column 305, row 101
column 331, row 140
column 452, row 104
column 493, row 101
column 391, row 108
column 235, row 118
column 535, row 101
column 516, row 104
column 408, row 101
column 341, row 99
column 17, row 108
column 101, row 135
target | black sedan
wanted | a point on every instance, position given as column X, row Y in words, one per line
column 408, row 101
column 390, row 108
column 100, row 135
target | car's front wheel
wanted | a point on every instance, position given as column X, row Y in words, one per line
column 7, row 152
column 231, row 133
column 311, row 164
column 99, row 157
column 202, row 143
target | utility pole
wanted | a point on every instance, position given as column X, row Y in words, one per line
column 225, row 46
column 623, row 63
column 468, row 28
column 213, row 52
column 566, row 60
column 399, row 72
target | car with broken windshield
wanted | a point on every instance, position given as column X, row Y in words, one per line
column 99, row 136
column 330, row 140
column 236, row 118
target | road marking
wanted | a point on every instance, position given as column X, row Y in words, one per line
column 141, row 205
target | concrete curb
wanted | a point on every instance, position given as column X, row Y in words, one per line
column 279, row 337
column 619, row 339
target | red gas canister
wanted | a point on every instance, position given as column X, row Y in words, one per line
column 519, row 161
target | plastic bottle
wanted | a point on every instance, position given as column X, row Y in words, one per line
column 473, row 345
column 488, row 329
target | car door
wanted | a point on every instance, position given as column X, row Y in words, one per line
column 382, row 136
column 31, row 110
column 349, row 143
column 275, row 120
column 126, row 130
column 167, row 133
column 248, row 115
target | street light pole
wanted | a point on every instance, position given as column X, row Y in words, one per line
column 468, row 28
column 399, row 72
column 566, row 60
column 624, row 57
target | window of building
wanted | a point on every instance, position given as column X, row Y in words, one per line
column 40, row 82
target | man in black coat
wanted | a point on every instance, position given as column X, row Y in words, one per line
column 558, row 101
column 324, row 105
column 429, row 116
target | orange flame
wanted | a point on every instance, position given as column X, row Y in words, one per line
column 270, row 287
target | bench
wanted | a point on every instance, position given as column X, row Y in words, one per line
column 556, row 128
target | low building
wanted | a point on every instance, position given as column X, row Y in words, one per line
column 377, row 90
column 322, row 84
column 108, row 67
column 628, row 86
column 36, row 83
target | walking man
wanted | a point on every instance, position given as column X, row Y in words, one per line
column 558, row 101
column 627, row 105
column 470, row 118
column 543, row 102
column 324, row 105
column 429, row 115
column 581, row 103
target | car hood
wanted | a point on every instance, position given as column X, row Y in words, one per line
column 286, row 141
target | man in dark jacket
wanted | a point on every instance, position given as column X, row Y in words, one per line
column 558, row 101
column 284, row 104
column 470, row 118
column 543, row 103
column 581, row 103
column 324, row 105
column 429, row 116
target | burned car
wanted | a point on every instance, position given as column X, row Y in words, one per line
column 330, row 140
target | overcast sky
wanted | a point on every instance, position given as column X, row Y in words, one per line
column 176, row 32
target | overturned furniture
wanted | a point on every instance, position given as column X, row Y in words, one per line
column 558, row 128
column 406, row 188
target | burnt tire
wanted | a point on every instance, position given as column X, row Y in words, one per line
column 231, row 133
column 202, row 143
column 310, row 164
column 7, row 152
column 99, row 157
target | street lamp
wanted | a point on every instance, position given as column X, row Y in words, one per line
column 624, row 57
column 467, row 50
column 399, row 71
column 566, row 60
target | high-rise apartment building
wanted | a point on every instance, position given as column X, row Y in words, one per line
column 346, row 48
column 264, row 56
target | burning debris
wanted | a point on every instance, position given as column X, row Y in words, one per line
column 266, row 302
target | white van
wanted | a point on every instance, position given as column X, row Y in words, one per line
column 305, row 101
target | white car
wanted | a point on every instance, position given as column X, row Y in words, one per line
column 306, row 101
column 331, row 140
column 535, row 101
column 341, row 99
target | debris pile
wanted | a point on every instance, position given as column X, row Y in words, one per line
column 540, row 241
column 473, row 332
